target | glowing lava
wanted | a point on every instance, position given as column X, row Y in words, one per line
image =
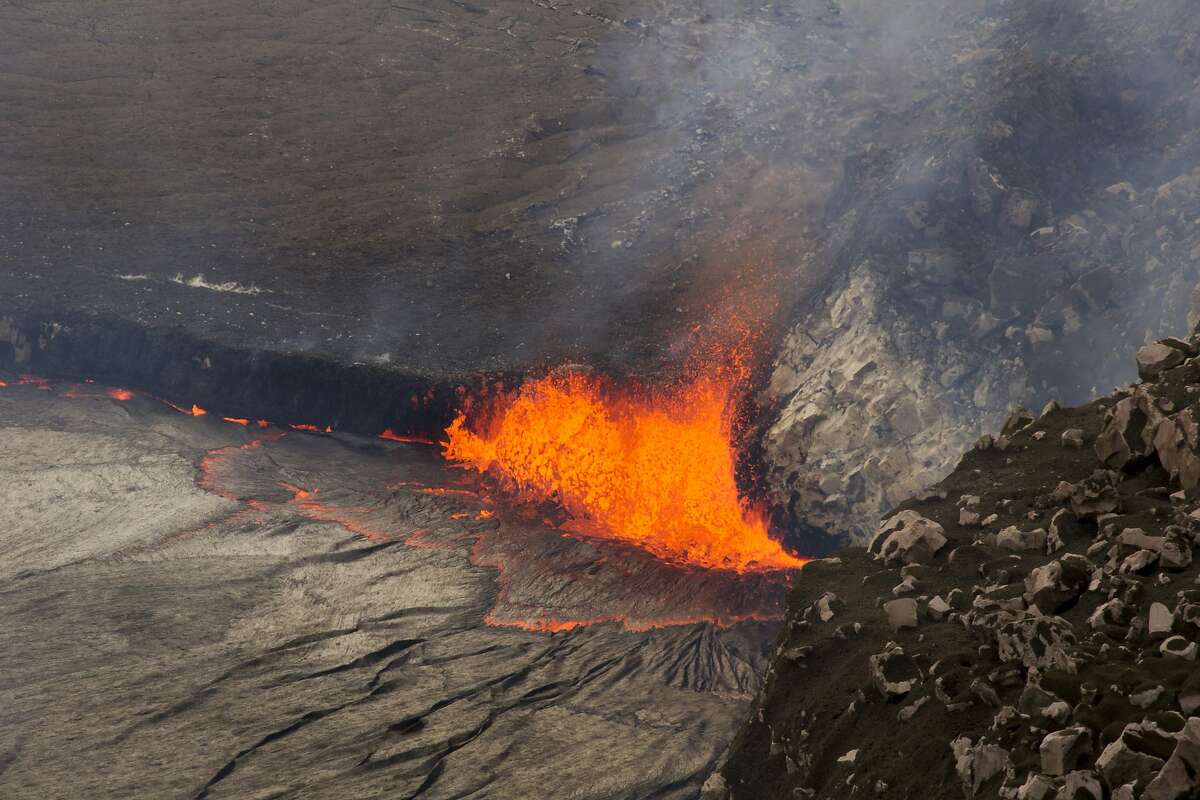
column 391, row 436
column 653, row 469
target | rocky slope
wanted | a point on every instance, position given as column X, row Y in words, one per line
column 1027, row 629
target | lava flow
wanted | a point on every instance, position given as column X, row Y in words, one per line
column 652, row 468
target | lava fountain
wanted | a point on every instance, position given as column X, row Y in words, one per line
column 650, row 467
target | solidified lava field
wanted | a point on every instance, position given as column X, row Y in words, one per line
column 196, row 608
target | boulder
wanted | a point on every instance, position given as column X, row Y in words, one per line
column 1159, row 621
column 901, row 613
column 1176, row 553
column 1081, row 785
column 1177, row 443
column 1036, row 787
column 1018, row 418
column 894, row 673
column 907, row 538
column 1180, row 776
column 1095, row 495
column 827, row 606
column 1063, row 530
column 1072, row 437
column 1037, row 641
column 1123, row 761
column 1057, row 585
column 1189, row 694
column 1155, row 358
column 1139, row 563
column 976, row 764
column 1036, row 701
column 1138, row 539
column 1063, row 751
column 1178, row 647
column 1125, row 791
column 1146, row 697
column 1013, row 538
column 1114, row 612
column 1126, row 441
column 938, row 609
column 715, row 788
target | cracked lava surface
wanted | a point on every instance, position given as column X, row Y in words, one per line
column 202, row 609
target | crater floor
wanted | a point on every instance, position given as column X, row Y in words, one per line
column 200, row 609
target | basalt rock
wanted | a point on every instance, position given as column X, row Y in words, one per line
column 1063, row 751
column 1057, row 585
column 977, row 764
column 1037, row 642
column 907, row 538
column 1155, row 358
column 1177, row 444
column 893, row 673
column 1013, row 538
column 1095, row 495
column 1180, row 776
column 1081, row 785
column 1128, row 438
column 1123, row 761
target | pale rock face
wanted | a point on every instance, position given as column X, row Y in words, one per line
column 864, row 424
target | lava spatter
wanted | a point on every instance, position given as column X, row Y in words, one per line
column 655, row 469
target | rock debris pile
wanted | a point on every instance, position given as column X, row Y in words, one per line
column 1028, row 629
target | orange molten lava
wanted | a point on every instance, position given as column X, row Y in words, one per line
column 304, row 426
column 654, row 471
column 392, row 436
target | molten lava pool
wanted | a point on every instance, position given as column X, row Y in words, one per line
column 652, row 468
